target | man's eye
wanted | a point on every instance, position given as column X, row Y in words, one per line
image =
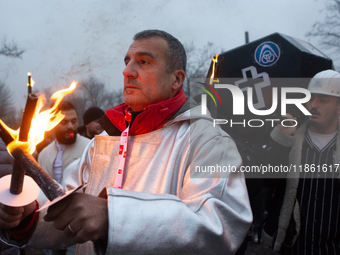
column 143, row 62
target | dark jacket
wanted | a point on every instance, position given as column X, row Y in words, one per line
column 283, row 222
column 6, row 160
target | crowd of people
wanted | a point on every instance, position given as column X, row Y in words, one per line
column 143, row 195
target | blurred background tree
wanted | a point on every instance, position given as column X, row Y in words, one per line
column 328, row 30
column 89, row 92
column 8, row 111
column 10, row 49
column 198, row 62
column 92, row 92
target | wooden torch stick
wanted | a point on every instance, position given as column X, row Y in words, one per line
column 18, row 173
column 26, row 161
column 29, row 84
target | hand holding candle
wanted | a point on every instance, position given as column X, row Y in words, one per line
column 25, row 161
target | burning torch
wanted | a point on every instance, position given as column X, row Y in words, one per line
column 214, row 68
column 30, row 83
column 19, row 189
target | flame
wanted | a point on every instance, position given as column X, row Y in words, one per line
column 31, row 81
column 215, row 59
column 41, row 122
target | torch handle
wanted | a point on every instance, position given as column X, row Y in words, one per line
column 17, row 179
column 5, row 136
column 27, row 117
column 29, row 84
column 26, row 161
column 50, row 188
column 18, row 173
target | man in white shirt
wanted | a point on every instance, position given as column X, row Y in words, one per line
column 142, row 194
column 66, row 148
column 68, row 145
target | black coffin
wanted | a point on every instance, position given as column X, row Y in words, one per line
column 276, row 60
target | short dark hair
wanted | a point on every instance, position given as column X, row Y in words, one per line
column 66, row 106
column 176, row 56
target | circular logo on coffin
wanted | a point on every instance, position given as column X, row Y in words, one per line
column 267, row 54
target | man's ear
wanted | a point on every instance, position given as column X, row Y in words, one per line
column 178, row 79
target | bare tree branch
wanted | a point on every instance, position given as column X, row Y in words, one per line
column 329, row 30
column 7, row 111
column 90, row 92
column 99, row 96
column 10, row 50
column 5, row 100
column 198, row 62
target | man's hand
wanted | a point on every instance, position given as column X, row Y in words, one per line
column 10, row 217
column 288, row 130
column 82, row 217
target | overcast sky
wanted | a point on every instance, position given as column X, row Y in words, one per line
column 68, row 40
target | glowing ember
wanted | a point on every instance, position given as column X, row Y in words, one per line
column 41, row 122
column 70, row 134
column 31, row 82
column 215, row 59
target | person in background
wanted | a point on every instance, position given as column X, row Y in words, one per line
column 143, row 195
column 91, row 126
column 306, row 218
column 68, row 145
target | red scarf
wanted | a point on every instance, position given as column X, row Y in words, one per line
column 152, row 118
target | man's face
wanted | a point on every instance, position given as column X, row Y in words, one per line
column 325, row 112
column 93, row 128
column 66, row 130
column 145, row 78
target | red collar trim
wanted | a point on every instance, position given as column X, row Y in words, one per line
column 152, row 118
